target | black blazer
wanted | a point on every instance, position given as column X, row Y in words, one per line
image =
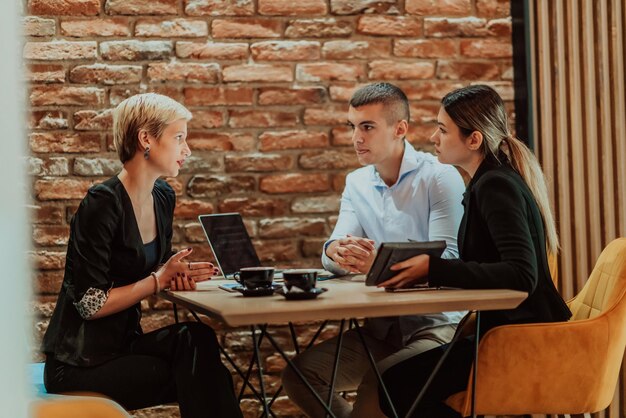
column 105, row 251
column 502, row 245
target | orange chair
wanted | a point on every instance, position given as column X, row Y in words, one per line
column 557, row 368
column 76, row 407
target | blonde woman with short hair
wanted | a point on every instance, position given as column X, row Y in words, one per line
column 119, row 253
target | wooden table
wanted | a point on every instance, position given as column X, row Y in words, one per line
column 346, row 298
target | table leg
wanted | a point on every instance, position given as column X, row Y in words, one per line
column 475, row 363
column 251, row 365
column 257, row 355
column 309, row 345
column 300, row 375
column 374, row 367
column 336, row 365
column 175, row 313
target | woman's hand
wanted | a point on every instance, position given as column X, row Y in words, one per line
column 179, row 274
column 412, row 271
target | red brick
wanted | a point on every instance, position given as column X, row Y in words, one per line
column 93, row 120
column 328, row 160
column 390, row 25
column 95, row 27
column 344, row 50
column 254, row 206
column 64, row 142
column 493, row 8
column 393, row 70
column 37, row 26
column 184, row 71
column 339, row 183
column 486, row 48
column 291, row 8
column 66, row 96
column 218, row 96
column 258, row 162
column 311, row 247
column 203, row 163
column 141, row 7
column 285, row 51
column 47, row 119
column 219, row 7
column 257, row 72
column 212, row 50
column 48, row 260
column 467, row 70
column 424, row 112
column 194, row 233
column 219, row 141
column 135, row 50
column 419, row 135
column 294, row 183
column 318, row 204
column 329, row 71
column 49, row 236
column 217, row 185
column 176, row 185
column 254, row 118
column 287, row 96
column 64, row 7
column 451, row 27
column 343, row 93
column 318, row 28
column 53, row 166
column 245, row 28
column 429, row 90
column 351, row 7
column 325, row 116
column 425, row 48
column 62, row 189
column 271, row 251
column 171, row 28
column 270, row 141
column 48, row 282
column 45, row 73
column 341, row 135
column 190, row 209
column 439, row 7
column 106, row 74
column 289, row 227
column 60, row 50
column 206, row 119
column 117, row 95
column 97, row 166
column 499, row 27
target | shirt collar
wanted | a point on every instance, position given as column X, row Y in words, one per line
column 408, row 164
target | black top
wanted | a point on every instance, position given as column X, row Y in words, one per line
column 502, row 245
column 105, row 251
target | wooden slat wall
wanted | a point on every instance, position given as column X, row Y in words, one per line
column 578, row 50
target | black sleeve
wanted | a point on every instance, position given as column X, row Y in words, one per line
column 504, row 210
column 93, row 231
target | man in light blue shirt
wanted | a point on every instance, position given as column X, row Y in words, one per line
column 399, row 194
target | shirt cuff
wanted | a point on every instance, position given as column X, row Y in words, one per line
column 92, row 301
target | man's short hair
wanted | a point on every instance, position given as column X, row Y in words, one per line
column 394, row 100
column 149, row 111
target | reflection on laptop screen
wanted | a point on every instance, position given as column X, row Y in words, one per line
column 229, row 241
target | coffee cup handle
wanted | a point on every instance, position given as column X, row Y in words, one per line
column 237, row 277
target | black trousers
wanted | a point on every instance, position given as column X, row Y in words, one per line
column 179, row 363
column 405, row 380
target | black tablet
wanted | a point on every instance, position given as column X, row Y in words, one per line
column 390, row 253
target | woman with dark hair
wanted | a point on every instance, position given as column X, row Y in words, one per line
column 119, row 253
column 504, row 239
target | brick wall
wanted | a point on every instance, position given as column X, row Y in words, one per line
column 268, row 83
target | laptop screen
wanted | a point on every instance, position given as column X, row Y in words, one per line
column 229, row 241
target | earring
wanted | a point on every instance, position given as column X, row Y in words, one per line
column 146, row 153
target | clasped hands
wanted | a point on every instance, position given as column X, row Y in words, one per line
column 179, row 274
column 356, row 254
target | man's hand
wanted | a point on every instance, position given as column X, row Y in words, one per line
column 355, row 254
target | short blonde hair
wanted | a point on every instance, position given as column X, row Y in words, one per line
column 149, row 111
